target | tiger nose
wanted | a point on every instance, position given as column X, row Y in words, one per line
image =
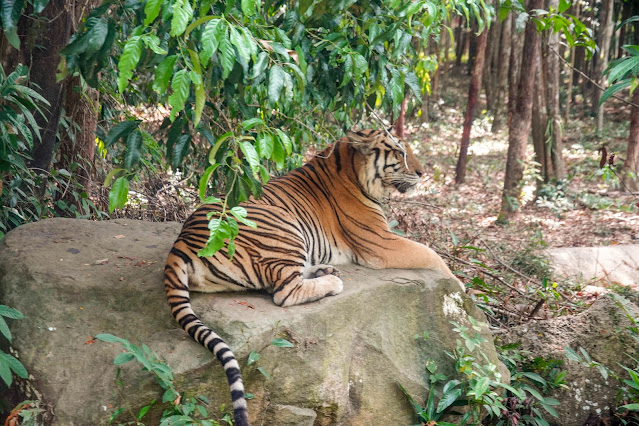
column 419, row 173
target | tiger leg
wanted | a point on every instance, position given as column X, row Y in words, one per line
column 402, row 253
column 302, row 290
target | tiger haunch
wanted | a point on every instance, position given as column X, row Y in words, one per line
column 324, row 213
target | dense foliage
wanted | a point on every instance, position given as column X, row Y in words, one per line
column 250, row 83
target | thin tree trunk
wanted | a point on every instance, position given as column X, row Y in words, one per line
column 460, row 40
column 605, row 37
column 625, row 14
column 399, row 124
column 490, row 67
column 570, row 73
column 552, row 95
column 631, row 165
column 473, row 93
column 539, row 121
column 514, row 70
column 519, row 128
column 502, row 75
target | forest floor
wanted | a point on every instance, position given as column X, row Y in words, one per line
column 506, row 263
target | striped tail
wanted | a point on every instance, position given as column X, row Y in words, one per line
column 177, row 293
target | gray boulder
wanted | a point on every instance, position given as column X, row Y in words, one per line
column 74, row 279
column 609, row 264
column 603, row 331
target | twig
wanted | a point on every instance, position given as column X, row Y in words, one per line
column 419, row 203
column 456, row 259
column 527, row 278
column 536, row 309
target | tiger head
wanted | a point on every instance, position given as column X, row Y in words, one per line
column 385, row 163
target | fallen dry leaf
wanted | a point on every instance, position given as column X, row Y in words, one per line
column 119, row 237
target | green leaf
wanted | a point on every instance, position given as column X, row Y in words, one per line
column 241, row 214
column 211, row 35
column 264, row 373
column 118, row 193
column 180, row 150
column 572, row 355
column 132, row 154
column 121, row 130
column 248, row 7
column 4, row 329
column 153, row 42
column 10, row 11
column 631, row 407
column 5, row 373
column 200, row 100
column 128, row 61
column 448, row 399
column 151, row 11
column 204, row 180
column 110, row 338
column 227, row 56
column 275, row 83
column 265, row 145
column 623, row 68
column 282, row 343
column 563, row 5
column 12, row 313
column 96, row 35
column 182, row 14
column 123, row 358
column 250, row 154
column 163, row 73
column 39, row 5
column 241, row 44
column 252, row 122
column 286, row 141
column 253, row 357
column 180, row 84
column 260, row 65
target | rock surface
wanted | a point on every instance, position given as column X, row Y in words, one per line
column 74, row 279
column 603, row 331
column 610, row 264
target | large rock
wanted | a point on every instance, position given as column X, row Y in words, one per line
column 609, row 264
column 74, row 279
column 603, row 330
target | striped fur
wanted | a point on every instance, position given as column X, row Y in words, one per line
column 323, row 214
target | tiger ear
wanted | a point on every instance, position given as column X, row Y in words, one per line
column 359, row 142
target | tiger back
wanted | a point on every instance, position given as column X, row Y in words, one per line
column 325, row 213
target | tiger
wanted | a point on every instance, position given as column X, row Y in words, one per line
column 327, row 212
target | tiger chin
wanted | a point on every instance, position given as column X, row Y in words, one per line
column 325, row 213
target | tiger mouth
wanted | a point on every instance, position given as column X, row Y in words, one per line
column 404, row 186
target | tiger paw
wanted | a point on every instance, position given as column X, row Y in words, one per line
column 317, row 271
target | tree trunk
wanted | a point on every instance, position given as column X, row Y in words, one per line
column 490, row 67
column 605, row 37
column 502, row 75
column 539, row 122
column 399, row 124
column 631, row 165
column 77, row 147
column 519, row 128
column 44, row 39
column 552, row 93
column 460, row 40
column 473, row 93
column 570, row 72
column 514, row 70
